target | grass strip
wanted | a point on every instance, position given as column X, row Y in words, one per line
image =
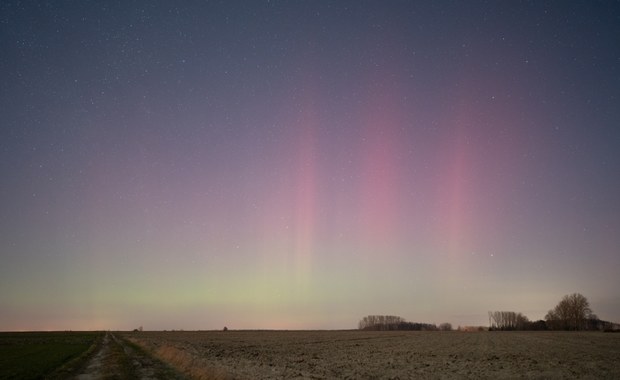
column 74, row 365
column 36, row 355
column 161, row 369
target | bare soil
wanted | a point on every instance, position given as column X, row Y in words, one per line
column 386, row 355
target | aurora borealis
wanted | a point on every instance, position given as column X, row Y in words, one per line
column 273, row 164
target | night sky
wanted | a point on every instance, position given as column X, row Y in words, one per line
column 299, row 165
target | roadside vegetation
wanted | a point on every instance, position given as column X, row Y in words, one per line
column 158, row 366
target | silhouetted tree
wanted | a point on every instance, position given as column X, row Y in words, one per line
column 392, row 322
column 553, row 320
column 572, row 313
column 380, row 322
column 507, row 320
column 539, row 325
column 445, row 327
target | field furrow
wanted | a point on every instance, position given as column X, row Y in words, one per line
column 386, row 355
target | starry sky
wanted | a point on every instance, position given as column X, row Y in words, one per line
column 302, row 164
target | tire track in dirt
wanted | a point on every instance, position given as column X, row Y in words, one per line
column 118, row 359
column 95, row 364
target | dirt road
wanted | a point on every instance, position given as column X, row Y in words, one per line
column 118, row 359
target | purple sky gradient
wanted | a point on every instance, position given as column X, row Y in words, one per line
column 303, row 164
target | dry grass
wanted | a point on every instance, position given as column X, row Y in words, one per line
column 184, row 362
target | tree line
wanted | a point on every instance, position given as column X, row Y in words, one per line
column 573, row 312
column 510, row 321
column 395, row 323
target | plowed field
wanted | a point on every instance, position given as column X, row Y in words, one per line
column 386, row 355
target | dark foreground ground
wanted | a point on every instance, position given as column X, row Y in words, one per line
column 36, row 355
column 309, row 355
column 77, row 355
column 386, row 355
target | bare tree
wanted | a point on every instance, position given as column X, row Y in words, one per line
column 445, row 327
column 572, row 313
column 552, row 320
column 392, row 322
column 507, row 320
column 380, row 322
